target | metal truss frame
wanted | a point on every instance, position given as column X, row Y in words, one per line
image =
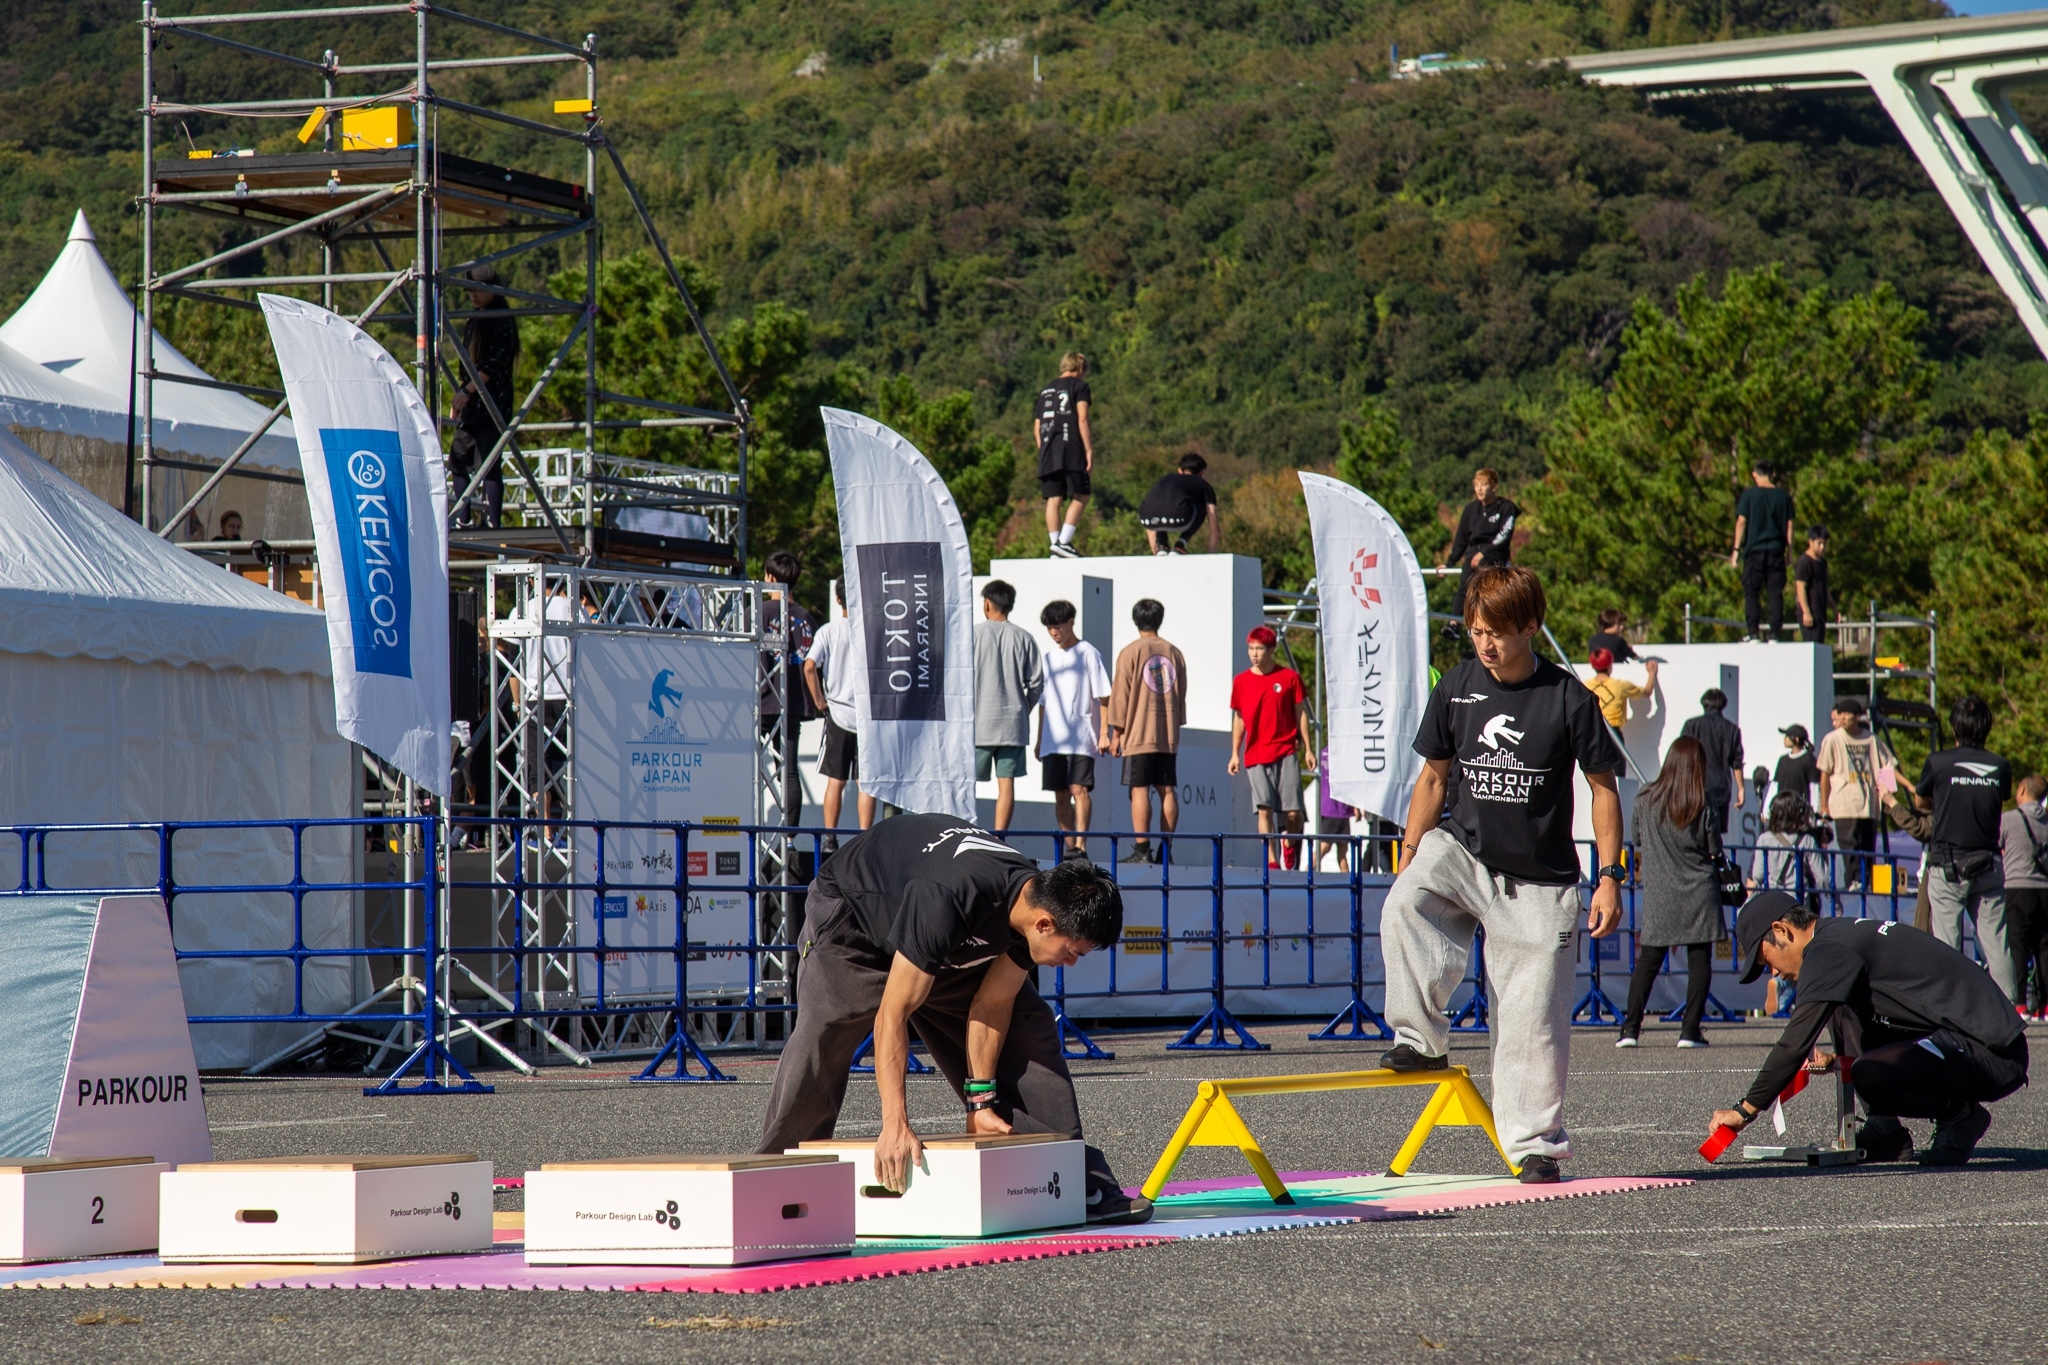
column 454, row 220
column 533, row 765
column 1945, row 85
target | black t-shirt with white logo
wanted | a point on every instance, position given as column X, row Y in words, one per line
column 1175, row 500
column 1894, row 978
column 1514, row 746
column 933, row 888
column 1059, row 425
column 1969, row 787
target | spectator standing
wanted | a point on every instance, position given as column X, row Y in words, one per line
column 1176, row 506
column 1849, row 759
column 1610, row 638
column 1009, row 678
column 1148, row 704
column 1763, row 540
column 1070, row 724
column 1485, row 537
column 783, row 569
column 1616, row 693
column 831, row 678
column 1333, row 818
column 490, row 338
column 1965, row 787
column 1787, row 855
column 2023, row 841
column 1722, row 743
column 1268, row 740
column 1066, row 451
column 1679, row 848
column 1810, row 585
column 1797, row 770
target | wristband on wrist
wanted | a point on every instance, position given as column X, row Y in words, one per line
column 979, row 1087
column 976, row 1106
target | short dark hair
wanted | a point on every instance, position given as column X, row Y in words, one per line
column 1765, row 468
column 783, row 567
column 1057, row 612
column 1850, row 706
column 1970, row 718
column 1000, row 595
column 1714, row 699
column 1148, row 614
column 1613, row 619
column 1816, row 532
column 1192, row 463
column 1799, row 914
column 1083, row 901
column 839, row 591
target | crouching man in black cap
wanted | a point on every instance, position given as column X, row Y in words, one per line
column 1926, row 1031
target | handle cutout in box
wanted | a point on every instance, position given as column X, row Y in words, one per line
column 879, row 1192
column 255, row 1215
column 796, row 1210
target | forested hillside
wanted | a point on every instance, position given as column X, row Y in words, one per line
column 1272, row 252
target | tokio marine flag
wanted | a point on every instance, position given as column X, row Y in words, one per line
column 909, row 584
column 1375, row 619
column 379, row 496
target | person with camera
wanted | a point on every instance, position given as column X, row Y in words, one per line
column 1679, row 852
column 1967, row 787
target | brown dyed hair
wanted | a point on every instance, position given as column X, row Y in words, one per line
column 1680, row 790
column 1508, row 596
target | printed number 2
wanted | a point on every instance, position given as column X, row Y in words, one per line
column 99, row 1206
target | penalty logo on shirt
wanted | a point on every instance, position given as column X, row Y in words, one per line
column 1368, row 597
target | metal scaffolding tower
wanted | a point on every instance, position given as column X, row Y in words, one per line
column 396, row 229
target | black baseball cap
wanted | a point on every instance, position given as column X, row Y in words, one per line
column 1796, row 731
column 1753, row 924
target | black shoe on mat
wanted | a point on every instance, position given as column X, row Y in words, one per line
column 1539, row 1170
column 1108, row 1205
column 1957, row 1136
column 1402, row 1057
column 1884, row 1138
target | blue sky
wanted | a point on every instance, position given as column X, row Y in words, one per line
column 1995, row 6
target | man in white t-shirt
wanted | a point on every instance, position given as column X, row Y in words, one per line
column 1070, row 723
column 830, row 675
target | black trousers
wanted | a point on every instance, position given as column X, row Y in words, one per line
column 1911, row 1076
column 839, row 980
column 1855, row 835
column 2026, row 932
column 1763, row 571
column 1465, row 572
column 464, row 452
column 1699, row 969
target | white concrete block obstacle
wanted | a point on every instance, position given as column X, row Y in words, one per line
column 969, row 1186
column 329, row 1210
column 689, row 1210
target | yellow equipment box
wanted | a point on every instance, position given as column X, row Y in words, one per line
column 369, row 130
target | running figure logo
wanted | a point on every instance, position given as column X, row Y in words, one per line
column 1497, row 773
column 1497, row 730
column 662, row 692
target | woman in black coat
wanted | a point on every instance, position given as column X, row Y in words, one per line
column 1678, row 849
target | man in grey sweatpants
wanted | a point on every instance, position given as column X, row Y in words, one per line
column 1489, row 846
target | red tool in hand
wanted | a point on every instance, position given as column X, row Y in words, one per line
column 1724, row 1136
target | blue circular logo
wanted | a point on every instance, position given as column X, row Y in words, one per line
column 366, row 469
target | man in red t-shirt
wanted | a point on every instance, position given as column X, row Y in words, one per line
column 1269, row 739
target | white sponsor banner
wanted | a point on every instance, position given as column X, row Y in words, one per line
column 909, row 582
column 379, row 497
column 1375, row 623
column 663, row 731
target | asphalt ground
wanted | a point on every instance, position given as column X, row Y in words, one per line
column 1752, row 1263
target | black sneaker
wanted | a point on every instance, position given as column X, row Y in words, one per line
column 1957, row 1136
column 1109, row 1205
column 1141, row 852
column 1402, row 1057
column 1539, row 1170
column 1884, row 1138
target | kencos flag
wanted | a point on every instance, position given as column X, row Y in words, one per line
column 379, row 496
column 1375, row 646
column 909, row 584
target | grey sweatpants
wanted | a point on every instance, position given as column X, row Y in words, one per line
column 839, row 981
column 1982, row 898
column 1426, row 927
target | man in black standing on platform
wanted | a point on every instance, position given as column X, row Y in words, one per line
column 491, row 341
column 1763, row 540
column 1723, row 742
column 1485, row 538
column 1066, row 451
column 1810, row 586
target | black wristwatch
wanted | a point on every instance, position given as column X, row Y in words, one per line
column 1617, row 871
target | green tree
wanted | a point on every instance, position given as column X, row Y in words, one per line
column 977, row 469
column 1636, row 508
column 1374, row 457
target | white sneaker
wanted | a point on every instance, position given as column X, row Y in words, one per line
column 1628, row 1040
column 1065, row 551
column 1692, row 1042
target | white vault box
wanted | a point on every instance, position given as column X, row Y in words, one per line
column 689, row 1210
column 326, row 1209
column 55, row 1210
column 971, row 1186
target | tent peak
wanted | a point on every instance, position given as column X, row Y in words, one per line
column 81, row 231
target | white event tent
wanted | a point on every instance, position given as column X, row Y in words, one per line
column 80, row 328
column 140, row 684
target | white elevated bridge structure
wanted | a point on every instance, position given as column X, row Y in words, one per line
column 1945, row 84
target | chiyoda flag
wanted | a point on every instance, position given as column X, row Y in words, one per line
column 379, row 495
column 909, row 584
column 1375, row 616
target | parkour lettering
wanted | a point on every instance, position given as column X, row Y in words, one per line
column 132, row 1090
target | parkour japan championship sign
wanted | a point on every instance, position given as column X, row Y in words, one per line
column 379, row 500
column 663, row 731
